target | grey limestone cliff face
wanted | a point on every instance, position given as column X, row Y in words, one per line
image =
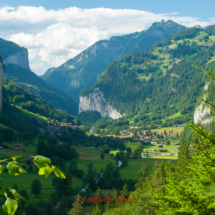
column 1, row 83
column 95, row 101
column 202, row 111
column 19, row 58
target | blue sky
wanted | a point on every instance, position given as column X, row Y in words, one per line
column 55, row 31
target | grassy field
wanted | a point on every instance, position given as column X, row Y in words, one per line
column 131, row 171
column 92, row 155
column 171, row 148
column 114, row 152
column 175, row 115
column 24, row 183
column 87, row 155
column 30, row 147
column 88, row 134
column 163, row 157
column 3, row 126
column 174, row 129
column 33, row 115
column 7, row 153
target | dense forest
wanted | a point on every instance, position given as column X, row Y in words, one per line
column 151, row 86
column 26, row 100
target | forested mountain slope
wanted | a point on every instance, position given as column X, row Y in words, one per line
column 81, row 72
column 28, row 101
column 151, row 86
column 15, row 60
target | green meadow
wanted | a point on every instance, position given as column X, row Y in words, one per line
column 87, row 155
column 174, row 129
column 31, row 114
column 170, row 148
column 92, row 155
column 134, row 165
column 24, row 183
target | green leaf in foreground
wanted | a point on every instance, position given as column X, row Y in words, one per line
column 16, row 195
column 16, row 158
column 58, row 172
column 10, row 206
column 41, row 161
column 45, row 171
column 2, row 168
column 15, row 168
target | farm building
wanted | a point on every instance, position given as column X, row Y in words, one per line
column 163, row 150
column 17, row 146
column 147, row 132
column 175, row 144
column 29, row 161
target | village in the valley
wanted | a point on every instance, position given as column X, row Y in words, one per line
column 156, row 143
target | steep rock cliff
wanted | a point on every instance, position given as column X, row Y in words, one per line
column 202, row 112
column 95, row 101
column 19, row 58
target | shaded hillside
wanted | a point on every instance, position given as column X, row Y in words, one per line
column 81, row 72
column 15, row 59
column 28, row 101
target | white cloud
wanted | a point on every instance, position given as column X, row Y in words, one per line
column 52, row 37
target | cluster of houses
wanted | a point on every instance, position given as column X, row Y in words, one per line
column 17, row 147
column 160, row 151
column 57, row 128
column 146, row 135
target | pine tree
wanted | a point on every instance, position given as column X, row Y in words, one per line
column 36, row 187
column 98, row 209
column 184, row 156
column 77, row 209
column 125, row 193
column 177, row 135
column 141, row 177
column 102, row 156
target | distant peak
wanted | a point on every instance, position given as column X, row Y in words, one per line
column 197, row 26
column 162, row 22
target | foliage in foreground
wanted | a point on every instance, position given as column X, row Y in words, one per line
column 15, row 168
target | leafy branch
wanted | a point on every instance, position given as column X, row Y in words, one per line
column 15, row 168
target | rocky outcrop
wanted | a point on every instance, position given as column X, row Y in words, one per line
column 19, row 58
column 1, row 83
column 202, row 112
column 95, row 101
